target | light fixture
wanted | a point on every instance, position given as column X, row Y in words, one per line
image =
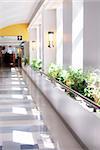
column 34, row 45
column 50, row 39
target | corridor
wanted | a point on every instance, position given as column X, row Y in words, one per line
column 21, row 123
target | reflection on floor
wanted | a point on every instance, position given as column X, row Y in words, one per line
column 21, row 123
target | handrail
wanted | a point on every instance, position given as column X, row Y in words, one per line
column 87, row 100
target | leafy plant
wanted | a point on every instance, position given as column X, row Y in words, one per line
column 88, row 92
column 62, row 76
column 25, row 60
column 36, row 64
column 86, row 83
column 96, row 95
column 76, row 80
column 54, row 71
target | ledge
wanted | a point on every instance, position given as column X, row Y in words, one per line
column 83, row 123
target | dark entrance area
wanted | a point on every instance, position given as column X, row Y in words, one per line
column 9, row 58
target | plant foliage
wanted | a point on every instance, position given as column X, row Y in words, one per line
column 86, row 83
column 25, row 60
column 54, row 71
column 36, row 64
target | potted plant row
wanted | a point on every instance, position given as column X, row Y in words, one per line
column 86, row 83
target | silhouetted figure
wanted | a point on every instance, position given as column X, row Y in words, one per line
column 0, row 58
column 7, row 59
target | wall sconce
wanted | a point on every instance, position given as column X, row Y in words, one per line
column 50, row 39
column 34, row 45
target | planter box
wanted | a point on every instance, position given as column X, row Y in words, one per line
column 82, row 122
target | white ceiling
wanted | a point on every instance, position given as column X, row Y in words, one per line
column 16, row 11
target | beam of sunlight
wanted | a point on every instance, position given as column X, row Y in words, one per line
column 13, row 70
column 16, row 88
column 14, row 79
column 37, row 113
column 19, row 110
column 77, row 34
column 21, row 79
column 23, row 137
column 14, row 75
column 17, row 82
column 78, row 56
column 77, row 24
column 47, row 141
column 17, row 96
column 29, row 97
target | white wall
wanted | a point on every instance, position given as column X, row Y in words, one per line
column 60, row 22
column 59, row 39
column 81, row 29
column 32, row 37
column 70, row 26
column 39, row 41
column 26, row 49
column 67, row 33
column 77, row 34
column 48, row 24
column 91, row 34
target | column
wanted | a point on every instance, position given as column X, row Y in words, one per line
column 32, row 39
column 59, row 20
column 77, row 34
column 91, row 34
column 48, row 25
column 67, row 33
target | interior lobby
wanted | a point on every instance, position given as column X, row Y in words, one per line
column 49, row 75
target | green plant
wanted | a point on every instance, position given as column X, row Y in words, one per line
column 96, row 95
column 36, row 64
column 88, row 92
column 91, row 78
column 25, row 60
column 62, row 76
column 76, row 80
column 54, row 71
column 86, row 83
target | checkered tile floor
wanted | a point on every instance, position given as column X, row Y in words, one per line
column 21, row 122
